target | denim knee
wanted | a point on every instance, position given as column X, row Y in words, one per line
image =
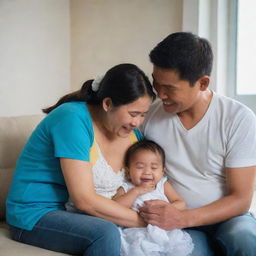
column 72, row 233
column 108, row 242
column 111, row 235
column 237, row 236
column 201, row 243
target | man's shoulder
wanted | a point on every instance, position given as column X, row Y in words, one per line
column 232, row 114
column 231, row 106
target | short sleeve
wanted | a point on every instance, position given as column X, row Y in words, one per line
column 72, row 137
column 241, row 146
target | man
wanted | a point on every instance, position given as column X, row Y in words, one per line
column 210, row 145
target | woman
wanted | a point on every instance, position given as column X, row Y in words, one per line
column 58, row 159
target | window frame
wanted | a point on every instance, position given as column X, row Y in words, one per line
column 217, row 21
column 247, row 99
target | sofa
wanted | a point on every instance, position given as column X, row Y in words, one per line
column 14, row 132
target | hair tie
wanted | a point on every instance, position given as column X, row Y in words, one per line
column 96, row 83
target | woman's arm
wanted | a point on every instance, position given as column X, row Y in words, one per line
column 127, row 199
column 79, row 180
column 174, row 198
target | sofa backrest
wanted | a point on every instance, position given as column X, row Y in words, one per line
column 14, row 132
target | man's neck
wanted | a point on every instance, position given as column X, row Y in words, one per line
column 194, row 115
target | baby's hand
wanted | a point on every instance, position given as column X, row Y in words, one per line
column 146, row 187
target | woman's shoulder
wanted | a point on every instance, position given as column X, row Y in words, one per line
column 70, row 116
column 70, row 112
column 73, row 108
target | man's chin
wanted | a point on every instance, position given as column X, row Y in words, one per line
column 172, row 109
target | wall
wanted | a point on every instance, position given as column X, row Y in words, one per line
column 50, row 47
column 34, row 54
column 106, row 33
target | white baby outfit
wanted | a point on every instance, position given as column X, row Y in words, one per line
column 152, row 240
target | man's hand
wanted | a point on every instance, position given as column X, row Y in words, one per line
column 162, row 214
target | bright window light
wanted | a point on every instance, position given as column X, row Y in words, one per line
column 246, row 48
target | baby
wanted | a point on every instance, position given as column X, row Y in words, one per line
column 144, row 166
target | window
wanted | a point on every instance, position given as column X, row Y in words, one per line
column 230, row 27
column 245, row 52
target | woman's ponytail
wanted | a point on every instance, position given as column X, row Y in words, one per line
column 84, row 94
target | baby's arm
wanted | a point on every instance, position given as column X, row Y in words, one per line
column 127, row 199
column 175, row 199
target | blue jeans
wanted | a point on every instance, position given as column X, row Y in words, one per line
column 234, row 237
column 72, row 233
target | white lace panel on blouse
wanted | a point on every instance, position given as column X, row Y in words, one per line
column 106, row 180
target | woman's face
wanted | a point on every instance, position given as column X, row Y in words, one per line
column 121, row 120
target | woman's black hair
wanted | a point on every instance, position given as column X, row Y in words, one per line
column 143, row 145
column 123, row 84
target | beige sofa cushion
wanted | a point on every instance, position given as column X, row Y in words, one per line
column 5, row 181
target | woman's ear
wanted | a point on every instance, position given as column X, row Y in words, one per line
column 204, row 82
column 107, row 104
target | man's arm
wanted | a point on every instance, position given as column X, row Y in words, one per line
column 237, row 202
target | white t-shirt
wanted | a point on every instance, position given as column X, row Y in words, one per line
column 196, row 158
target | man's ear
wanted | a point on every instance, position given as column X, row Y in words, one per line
column 204, row 82
column 107, row 104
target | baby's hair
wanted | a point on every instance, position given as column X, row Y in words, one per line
column 143, row 145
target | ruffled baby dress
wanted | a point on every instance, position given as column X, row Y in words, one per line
column 152, row 240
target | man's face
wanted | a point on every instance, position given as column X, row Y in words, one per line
column 177, row 95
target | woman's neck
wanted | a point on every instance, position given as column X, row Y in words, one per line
column 99, row 121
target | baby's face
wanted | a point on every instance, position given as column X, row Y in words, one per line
column 145, row 166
